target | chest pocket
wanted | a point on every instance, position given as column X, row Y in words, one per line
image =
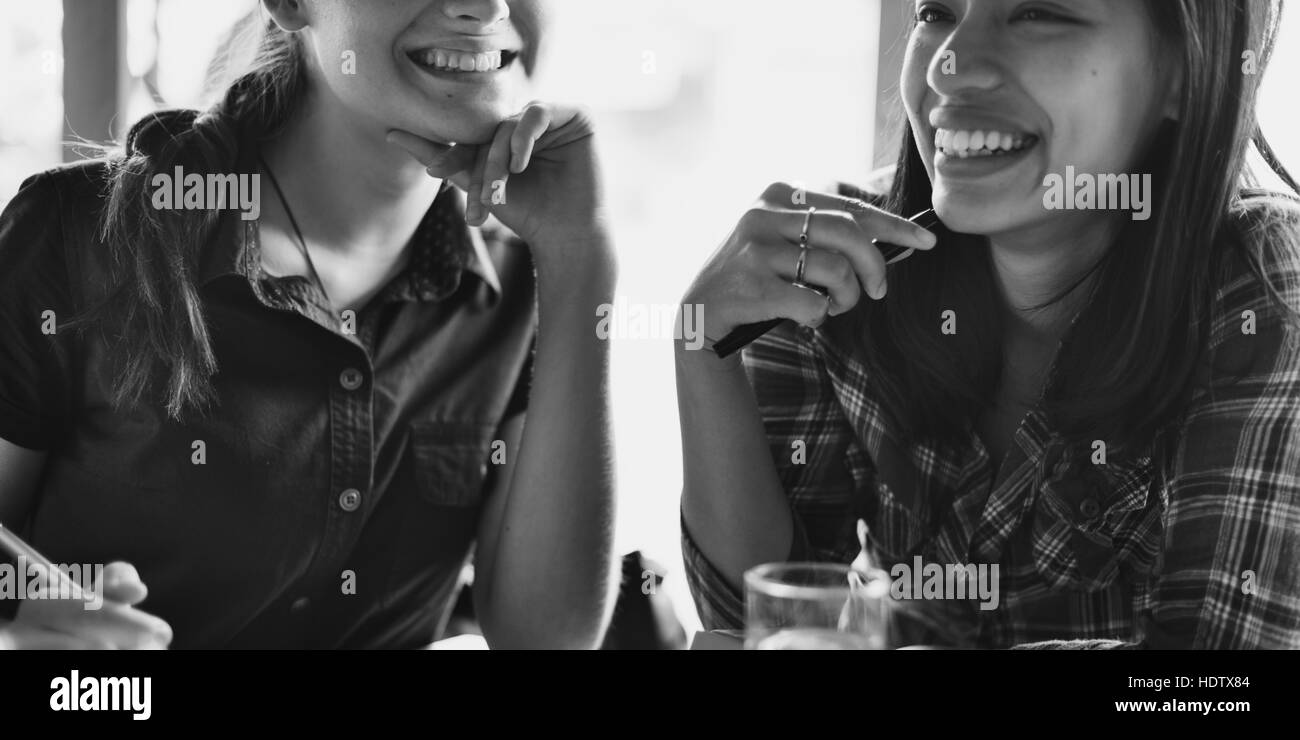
column 451, row 461
column 437, row 522
column 1092, row 522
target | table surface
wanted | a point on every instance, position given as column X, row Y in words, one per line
column 719, row 640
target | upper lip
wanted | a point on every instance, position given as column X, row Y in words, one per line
column 973, row 119
column 466, row 45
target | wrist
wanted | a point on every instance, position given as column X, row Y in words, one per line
column 693, row 359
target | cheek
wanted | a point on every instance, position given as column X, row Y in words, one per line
column 350, row 61
column 912, row 81
column 1098, row 107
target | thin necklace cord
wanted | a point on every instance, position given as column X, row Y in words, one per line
column 302, row 243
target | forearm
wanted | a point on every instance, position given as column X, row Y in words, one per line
column 732, row 501
column 552, row 573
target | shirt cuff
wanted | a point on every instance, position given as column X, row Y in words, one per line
column 719, row 604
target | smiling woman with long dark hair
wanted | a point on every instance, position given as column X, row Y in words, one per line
column 1104, row 405
column 295, row 424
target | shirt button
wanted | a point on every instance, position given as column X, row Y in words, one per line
column 350, row 499
column 1089, row 508
column 351, row 379
column 300, row 604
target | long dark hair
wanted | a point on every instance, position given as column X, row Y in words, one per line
column 1127, row 363
column 152, row 315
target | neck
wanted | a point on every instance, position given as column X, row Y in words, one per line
column 1029, row 276
column 350, row 190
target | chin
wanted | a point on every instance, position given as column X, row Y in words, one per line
column 968, row 215
column 478, row 126
column 466, row 125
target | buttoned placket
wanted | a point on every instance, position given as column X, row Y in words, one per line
column 349, row 372
column 1032, row 441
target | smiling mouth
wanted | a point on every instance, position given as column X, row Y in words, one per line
column 965, row 144
column 462, row 62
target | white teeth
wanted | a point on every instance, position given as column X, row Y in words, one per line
column 974, row 143
column 460, row 61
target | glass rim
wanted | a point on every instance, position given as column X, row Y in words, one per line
column 758, row 579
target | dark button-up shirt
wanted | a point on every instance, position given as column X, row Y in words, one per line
column 1193, row 542
column 331, row 497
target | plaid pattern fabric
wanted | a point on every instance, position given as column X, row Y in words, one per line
column 1193, row 543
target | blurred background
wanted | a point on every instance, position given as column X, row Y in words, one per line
column 700, row 104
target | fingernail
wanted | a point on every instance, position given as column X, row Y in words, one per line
column 929, row 238
column 879, row 290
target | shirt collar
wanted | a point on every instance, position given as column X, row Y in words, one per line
column 443, row 249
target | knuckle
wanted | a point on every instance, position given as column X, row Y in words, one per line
column 777, row 192
column 751, row 219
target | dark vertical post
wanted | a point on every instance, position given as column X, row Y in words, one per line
column 95, row 76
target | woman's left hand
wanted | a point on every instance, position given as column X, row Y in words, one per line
column 539, row 175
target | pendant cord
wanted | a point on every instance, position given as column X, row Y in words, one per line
column 302, row 243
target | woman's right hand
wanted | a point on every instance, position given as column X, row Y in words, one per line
column 65, row 624
column 750, row 278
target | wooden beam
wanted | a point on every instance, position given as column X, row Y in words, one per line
column 95, row 76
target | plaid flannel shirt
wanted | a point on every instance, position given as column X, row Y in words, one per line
column 1201, row 550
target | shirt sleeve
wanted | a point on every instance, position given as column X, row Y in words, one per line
column 518, row 402
column 808, row 438
column 35, row 298
column 1231, row 558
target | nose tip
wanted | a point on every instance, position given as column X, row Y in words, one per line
column 481, row 12
column 954, row 71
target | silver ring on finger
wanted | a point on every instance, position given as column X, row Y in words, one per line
column 824, row 293
column 802, row 264
column 803, row 248
column 807, row 225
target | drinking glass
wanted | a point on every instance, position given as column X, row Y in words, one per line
column 815, row 606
